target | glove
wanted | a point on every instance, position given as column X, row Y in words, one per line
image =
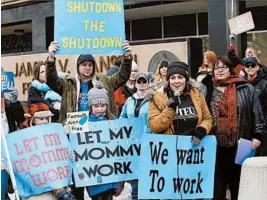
column 234, row 59
column 173, row 102
column 198, row 134
column 64, row 195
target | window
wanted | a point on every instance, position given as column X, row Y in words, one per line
column 145, row 29
column 258, row 42
column 49, row 30
column 203, row 27
column 16, row 37
column 259, row 15
column 180, row 25
column 127, row 30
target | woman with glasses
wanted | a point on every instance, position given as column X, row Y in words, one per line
column 236, row 113
column 137, row 106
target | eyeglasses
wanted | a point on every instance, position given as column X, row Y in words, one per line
column 134, row 70
column 221, row 68
column 250, row 65
column 141, row 81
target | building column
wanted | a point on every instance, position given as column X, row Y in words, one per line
column 219, row 12
column 38, row 34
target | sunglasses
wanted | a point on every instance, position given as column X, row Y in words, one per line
column 141, row 80
column 250, row 65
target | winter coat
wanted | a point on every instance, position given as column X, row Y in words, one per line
column 160, row 117
column 250, row 118
column 39, row 92
column 260, row 84
column 113, row 70
column 95, row 190
column 69, row 86
column 129, row 108
column 121, row 95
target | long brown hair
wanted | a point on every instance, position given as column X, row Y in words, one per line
column 36, row 69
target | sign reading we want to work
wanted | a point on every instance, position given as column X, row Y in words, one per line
column 40, row 158
column 89, row 26
column 174, row 168
column 108, row 153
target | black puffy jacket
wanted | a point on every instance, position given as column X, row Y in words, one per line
column 251, row 123
column 260, row 84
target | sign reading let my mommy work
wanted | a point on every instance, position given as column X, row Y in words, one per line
column 40, row 156
column 94, row 26
column 109, row 152
column 174, row 168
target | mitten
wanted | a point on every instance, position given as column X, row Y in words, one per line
column 198, row 134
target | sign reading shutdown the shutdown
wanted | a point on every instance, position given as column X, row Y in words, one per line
column 40, row 158
column 174, row 168
column 89, row 26
column 109, row 152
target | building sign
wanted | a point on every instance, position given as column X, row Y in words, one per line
column 22, row 66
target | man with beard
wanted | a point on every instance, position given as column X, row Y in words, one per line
column 74, row 89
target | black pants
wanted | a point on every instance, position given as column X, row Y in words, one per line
column 226, row 173
column 78, row 192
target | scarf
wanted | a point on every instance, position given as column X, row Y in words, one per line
column 227, row 119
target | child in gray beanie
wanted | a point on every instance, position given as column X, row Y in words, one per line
column 98, row 104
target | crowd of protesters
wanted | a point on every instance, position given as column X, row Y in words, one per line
column 223, row 101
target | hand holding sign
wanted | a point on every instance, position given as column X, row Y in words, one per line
column 52, row 49
column 127, row 48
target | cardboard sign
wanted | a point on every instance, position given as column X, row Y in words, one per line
column 90, row 26
column 109, row 152
column 171, row 167
column 241, row 23
column 78, row 121
column 40, row 157
column 7, row 81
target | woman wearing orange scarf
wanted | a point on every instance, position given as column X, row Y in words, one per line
column 236, row 113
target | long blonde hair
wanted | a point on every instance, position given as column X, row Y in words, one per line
column 211, row 57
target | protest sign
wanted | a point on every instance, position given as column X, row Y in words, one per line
column 7, row 81
column 78, row 121
column 174, row 168
column 108, row 152
column 90, row 26
column 40, row 158
column 241, row 23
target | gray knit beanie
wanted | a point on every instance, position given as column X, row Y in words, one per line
column 97, row 95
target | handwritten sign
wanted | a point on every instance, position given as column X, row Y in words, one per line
column 7, row 81
column 90, row 26
column 40, row 158
column 171, row 167
column 241, row 23
column 108, row 152
column 78, row 121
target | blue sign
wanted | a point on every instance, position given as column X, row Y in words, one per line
column 40, row 157
column 7, row 81
column 90, row 26
column 171, row 167
column 108, row 152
